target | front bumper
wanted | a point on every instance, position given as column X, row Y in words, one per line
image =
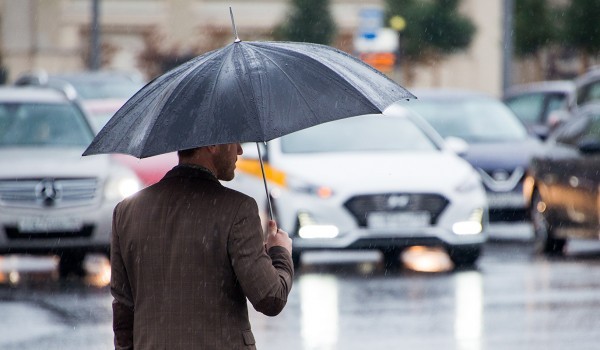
column 50, row 230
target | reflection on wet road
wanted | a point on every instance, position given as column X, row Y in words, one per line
column 349, row 301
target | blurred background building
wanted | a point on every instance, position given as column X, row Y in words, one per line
column 150, row 36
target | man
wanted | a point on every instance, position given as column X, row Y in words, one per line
column 186, row 254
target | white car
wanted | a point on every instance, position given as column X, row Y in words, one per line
column 53, row 200
column 383, row 182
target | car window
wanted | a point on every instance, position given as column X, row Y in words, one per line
column 105, row 88
column 588, row 93
column 554, row 102
column 527, row 107
column 31, row 124
column 474, row 120
column 359, row 134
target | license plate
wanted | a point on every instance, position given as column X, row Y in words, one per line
column 505, row 200
column 382, row 220
column 48, row 224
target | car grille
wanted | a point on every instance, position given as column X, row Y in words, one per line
column 48, row 192
column 361, row 206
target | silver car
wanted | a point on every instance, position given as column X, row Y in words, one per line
column 370, row 182
column 53, row 200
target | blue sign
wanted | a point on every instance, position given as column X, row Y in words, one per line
column 369, row 22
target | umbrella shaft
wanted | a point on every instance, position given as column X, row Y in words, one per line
column 262, row 168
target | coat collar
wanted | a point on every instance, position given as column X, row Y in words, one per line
column 191, row 171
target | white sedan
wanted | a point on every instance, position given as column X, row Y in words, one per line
column 383, row 182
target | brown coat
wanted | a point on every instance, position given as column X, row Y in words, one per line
column 185, row 254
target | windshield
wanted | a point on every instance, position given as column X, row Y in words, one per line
column 42, row 125
column 359, row 134
column 106, row 89
column 474, row 120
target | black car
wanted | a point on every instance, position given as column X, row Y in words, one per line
column 562, row 184
column 498, row 146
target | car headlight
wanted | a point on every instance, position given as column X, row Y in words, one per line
column 121, row 187
column 472, row 226
column 469, row 183
column 298, row 185
column 309, row 228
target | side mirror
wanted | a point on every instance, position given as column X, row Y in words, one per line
column 457, row 145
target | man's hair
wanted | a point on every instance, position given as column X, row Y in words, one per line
column 186, row 153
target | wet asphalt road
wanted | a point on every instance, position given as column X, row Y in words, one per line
column 349, row 301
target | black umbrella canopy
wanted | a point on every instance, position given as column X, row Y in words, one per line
column 246, row 91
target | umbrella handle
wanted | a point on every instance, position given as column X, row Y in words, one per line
column 262, row 168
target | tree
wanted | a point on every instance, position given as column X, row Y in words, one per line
column 535, row 30
column 581, row 29
column 434, row 30
column 308, row 21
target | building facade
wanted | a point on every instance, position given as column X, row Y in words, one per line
column 55, row 35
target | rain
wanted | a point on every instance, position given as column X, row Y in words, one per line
column 434, row 162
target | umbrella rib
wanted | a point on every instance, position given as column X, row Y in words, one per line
column 291, row 81
column 183, row 74
column 357, row 93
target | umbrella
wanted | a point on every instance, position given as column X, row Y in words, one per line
column 245, row 92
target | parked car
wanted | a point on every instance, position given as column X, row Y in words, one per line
column 563, row 183
column 541, row 106
column 370, row 182
column 53, row 200
column 499, row 147
column 588, row 87
column 102, row 93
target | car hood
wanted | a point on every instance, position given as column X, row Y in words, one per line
column 56, row 162
column 503, row 155
column 377, row 172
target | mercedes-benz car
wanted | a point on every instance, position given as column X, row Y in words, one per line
column 53, row 200
column 498, row 146
column 376, row 182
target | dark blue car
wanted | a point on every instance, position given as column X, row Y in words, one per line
column 497, row 144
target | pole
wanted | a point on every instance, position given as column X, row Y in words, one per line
column 95, row 36
column 507, row 52
column 262, row 168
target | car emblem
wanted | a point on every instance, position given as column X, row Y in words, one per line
column 500, row 175
column 397, row 201
column 47, row 191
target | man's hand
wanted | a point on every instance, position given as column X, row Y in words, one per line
column 277, row 237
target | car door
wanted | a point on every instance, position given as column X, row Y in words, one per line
column 585, row 176
column 558, row 173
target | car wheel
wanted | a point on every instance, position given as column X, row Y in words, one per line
column 296, row 256
column 391, row 258
column 544, row 241
column 464, row 256
column 71, row 263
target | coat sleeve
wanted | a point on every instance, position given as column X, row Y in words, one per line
column 121, row 292
column 266, row 279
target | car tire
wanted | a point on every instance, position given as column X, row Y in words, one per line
column 464, row 256
column 544, row 241
column 391, row 258
column 296, row 259
column 71, row 264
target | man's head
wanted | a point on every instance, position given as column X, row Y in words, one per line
column 220, row 159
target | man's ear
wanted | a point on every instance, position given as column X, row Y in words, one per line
column 212, row 149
